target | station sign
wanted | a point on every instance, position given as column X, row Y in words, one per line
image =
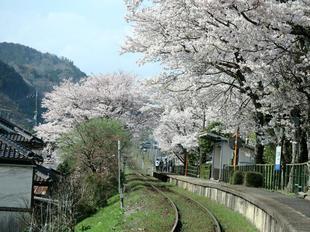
column 277, row 166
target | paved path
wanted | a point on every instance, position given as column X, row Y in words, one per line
column 295, row 211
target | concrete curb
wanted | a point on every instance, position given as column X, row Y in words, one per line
column 265, row 213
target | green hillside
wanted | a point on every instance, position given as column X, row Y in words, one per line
column 23, row 70
column 16, row 96
column 41, row 70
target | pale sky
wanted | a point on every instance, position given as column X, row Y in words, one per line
column 88, row 32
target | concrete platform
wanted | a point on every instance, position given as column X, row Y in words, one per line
column 268, row 211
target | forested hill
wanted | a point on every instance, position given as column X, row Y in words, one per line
column 16, row 96
column 23, row 70
column 41, row 70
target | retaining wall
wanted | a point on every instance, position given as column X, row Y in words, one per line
column 264, row 215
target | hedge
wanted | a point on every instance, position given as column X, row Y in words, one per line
column 237, row 177
column 253, row 179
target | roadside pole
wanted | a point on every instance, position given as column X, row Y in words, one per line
column 120, row 190
column 236, row 148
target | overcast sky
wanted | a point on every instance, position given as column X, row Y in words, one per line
column 88, row 32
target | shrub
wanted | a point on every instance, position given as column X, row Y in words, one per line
column 237, row 177
column 84, row 209
column 254, row 179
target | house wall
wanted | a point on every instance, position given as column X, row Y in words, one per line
column 215, row 162
column 14, row 221
column 16, row 186
column 216, row 156
column 223, row 155
column 15, row 195
column 227, row 154
column 246, row 156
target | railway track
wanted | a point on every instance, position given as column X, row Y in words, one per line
column 215, row 226
column 186, row 209
column 176, row 212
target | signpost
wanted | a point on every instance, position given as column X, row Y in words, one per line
column 277, row 166
column 120, row 188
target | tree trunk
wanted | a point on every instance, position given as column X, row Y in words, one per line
column 185, row 163
column 287, row 150
column 303, row 148
column 308, row 143
column 295, row 158
column 308, row 165
column 259, row 153
column 259, row 148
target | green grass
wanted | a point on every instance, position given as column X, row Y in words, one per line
column 230, row 221
column 106, row 219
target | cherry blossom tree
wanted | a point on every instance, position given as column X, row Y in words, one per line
column 118, row 96
column 235, row 43
column 186, row 113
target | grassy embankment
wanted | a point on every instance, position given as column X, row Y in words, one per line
column 106, row 219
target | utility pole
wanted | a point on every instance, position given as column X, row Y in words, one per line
column 236, row 149
column 120, row 190
column 36, row 109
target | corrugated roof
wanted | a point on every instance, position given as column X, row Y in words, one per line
column 40, row 190
column 212, row 136
column 11, row 151
column 219, row 138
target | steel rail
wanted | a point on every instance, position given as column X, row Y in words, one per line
column 176, row 212
column 217, row 227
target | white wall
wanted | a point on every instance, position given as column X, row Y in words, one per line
column 216, row 156
column 14, row 221
column 227, row 154
column 15, row 186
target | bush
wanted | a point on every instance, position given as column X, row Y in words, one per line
column 205, row 171
column 84, row 209
column 237, row 177
column 254, row 179
column 94, row 192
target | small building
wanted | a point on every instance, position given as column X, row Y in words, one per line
column 222, row 154
column 45, row 180
column 17, row 168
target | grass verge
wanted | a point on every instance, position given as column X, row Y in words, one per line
column 105, row 220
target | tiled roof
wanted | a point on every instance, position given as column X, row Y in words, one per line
column 11, row 151
column 44, row 175
column 16, row 133
column 16, row 137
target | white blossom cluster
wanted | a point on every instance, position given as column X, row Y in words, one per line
column 117, row 96
column 255, row 52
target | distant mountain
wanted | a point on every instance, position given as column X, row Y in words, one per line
column 23, row 70
column 41, row 70
column 16, row 99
